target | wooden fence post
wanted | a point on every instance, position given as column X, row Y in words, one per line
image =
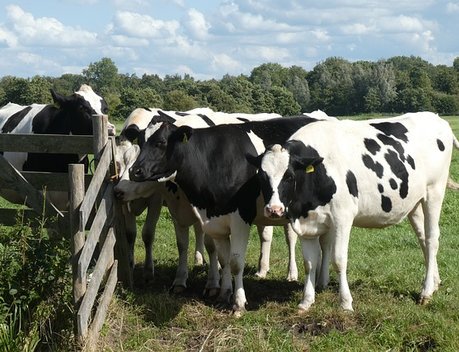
column 76, row 189
column 99, row 125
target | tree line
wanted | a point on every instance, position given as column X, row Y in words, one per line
column 336, row 86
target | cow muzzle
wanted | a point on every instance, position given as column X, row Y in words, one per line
column 274, row 211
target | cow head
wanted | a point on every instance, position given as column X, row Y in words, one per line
column 79, row 107
column 158, row 157
column 288, row 178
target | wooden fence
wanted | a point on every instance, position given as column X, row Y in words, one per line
column 89, row 219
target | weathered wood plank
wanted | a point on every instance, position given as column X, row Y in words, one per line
column 101, row 312
column 34, row 199
column 122, row 246
column 46, row 143
column 96, row 184
column 76, row 180
column 104, row 213
column 105, row 257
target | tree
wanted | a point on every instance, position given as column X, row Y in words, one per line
column 284, row 102
column 179, row 100
column 103, row 76
column 13, row 88
column 131, row 99
column 298, row 85
column 240, row 88
column 268, row 75
column 332, row 87
column 38, row 91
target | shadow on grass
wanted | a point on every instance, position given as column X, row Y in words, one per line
column 159, row 305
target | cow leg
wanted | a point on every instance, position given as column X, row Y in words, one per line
column 239, row 241
column 199, row 251
column 339, row 259
column 291, row 238
column 324, row 271
column 311, row 258
column 181, row 275
column 266, row 237
column 148, row 233
column 131, row 234
column 223, row 249
column 213, row 276
column 432, row 210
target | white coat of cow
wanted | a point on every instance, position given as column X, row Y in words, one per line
column 333, row 175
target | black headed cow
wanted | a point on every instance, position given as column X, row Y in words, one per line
column 331, row 176
column 210, row 165
column 72, row 115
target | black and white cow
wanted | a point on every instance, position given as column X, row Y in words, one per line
column 146, row 195
column 210, row 165
column 382, row 171
column 72, row 115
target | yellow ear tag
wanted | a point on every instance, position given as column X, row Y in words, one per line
column 309, row 169
column 185, row 139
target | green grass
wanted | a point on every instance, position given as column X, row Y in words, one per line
column 385, row 274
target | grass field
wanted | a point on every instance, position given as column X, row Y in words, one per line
column 385, row 274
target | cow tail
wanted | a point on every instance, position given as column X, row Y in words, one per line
column 451, row 183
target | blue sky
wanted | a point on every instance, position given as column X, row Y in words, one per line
column 208, row 39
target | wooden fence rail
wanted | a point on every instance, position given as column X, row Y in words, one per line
column 91, row 205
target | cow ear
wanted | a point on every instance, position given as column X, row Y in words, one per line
column 182, row 134
column 58, row 99
column 254, row 160
column 131, row 132
column 307, row 164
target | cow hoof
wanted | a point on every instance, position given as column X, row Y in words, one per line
column 199, row 259
column 177, row 289
column 211, row 292
column 225, row 297
column 304, row 307
column 292, row 278
column 238, row 312
column 261, row 274
column 424, row 300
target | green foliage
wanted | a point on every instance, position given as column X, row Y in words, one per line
column 33, row 268
column 336, row 86
column 179, row 100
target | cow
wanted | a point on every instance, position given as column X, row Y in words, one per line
column 72, row 115
column 332, row 175
column 137, row 194
column 210, row 165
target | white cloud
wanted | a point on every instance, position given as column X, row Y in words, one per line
column 225, row 63
column 267, row 53
column 452, row 7
column 197, row 24
column 46, row 31
column 143, row 26
column 7, row 38
column 356, row 29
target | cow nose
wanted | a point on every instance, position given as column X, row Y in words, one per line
column 274, row 211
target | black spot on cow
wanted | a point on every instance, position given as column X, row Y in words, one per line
column 386, row 204
column 395, row 129
column 372, row 146
column 171, row 187
column 208, row 121
column 15, row 119
column 393, row 184
column 399, row 170
column 376, row 167
column 351, row 182
column 380, row 188
column 394, row 144
column 440, row 145
column 411, row 162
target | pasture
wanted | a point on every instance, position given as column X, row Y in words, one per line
column 385, row 273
